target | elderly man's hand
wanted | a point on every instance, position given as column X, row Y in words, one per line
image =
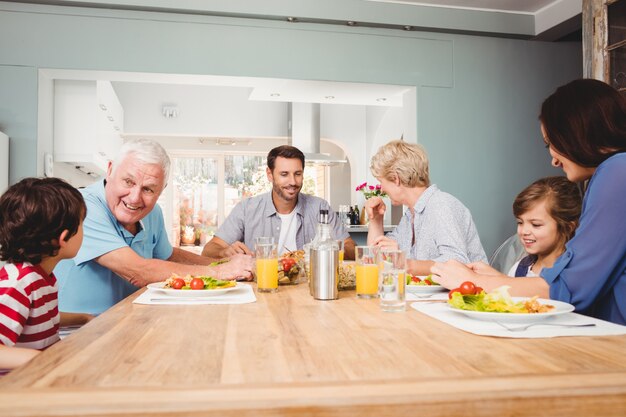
column 238, row 267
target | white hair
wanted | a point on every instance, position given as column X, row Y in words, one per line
column 146, row 151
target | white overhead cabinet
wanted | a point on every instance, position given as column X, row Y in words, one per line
column 88, row 122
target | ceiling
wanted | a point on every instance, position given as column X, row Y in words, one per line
column 547, row 15
column 509, row 6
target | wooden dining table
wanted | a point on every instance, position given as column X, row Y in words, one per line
column 290, row 355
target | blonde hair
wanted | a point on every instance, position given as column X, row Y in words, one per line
column 406, row 161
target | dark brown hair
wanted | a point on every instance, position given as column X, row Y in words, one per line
column 585, row 121
column 563, row 200
column 33, row 214
column 284, row 151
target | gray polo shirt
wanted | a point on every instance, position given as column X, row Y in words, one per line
column 257, row 216
column 443, row 227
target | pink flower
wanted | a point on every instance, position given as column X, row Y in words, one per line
column 370, row 191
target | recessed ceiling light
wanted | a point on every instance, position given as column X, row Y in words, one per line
column 407, row 27
column 329, row 97
column 381, row 99
column 275, row 95
column 351, row 23
column 292, row 19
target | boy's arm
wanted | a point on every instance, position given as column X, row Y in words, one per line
column 11, row 357
column 74, row 319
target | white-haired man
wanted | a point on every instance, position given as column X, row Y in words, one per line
column 125, row 244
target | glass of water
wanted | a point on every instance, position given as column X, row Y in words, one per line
column 391, row 279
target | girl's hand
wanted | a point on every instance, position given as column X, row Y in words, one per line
column 452, row 274
column 483, row 269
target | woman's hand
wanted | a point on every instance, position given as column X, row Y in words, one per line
column 375, row 208
column 385, row 242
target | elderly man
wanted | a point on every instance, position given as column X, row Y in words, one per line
column 284, row 213
column 125, row 244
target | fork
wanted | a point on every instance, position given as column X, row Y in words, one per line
column 524, row 327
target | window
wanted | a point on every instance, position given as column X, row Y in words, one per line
column 205, row 188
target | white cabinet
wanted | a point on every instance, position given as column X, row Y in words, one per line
column 88, row 121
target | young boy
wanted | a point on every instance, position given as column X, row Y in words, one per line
column 41, row 223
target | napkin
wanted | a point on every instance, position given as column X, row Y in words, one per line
column 242, row 295
column 442, row 312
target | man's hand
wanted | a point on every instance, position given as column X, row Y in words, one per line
column 234, row 249
column 238, row 267
column 375, row 208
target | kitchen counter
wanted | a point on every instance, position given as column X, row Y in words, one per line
column 359, row 233
column 290, row 355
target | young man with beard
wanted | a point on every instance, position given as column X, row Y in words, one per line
column 286, row 214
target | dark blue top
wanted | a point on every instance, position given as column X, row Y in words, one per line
column 591, row 274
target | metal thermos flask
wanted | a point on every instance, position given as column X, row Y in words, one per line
column 325, row 273
column 324, row 262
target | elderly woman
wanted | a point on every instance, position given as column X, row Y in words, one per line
column 436, row 227
column 584, row 128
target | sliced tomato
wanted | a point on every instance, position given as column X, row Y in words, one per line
column 415, row 279
column 196, row 284
column 478, row 290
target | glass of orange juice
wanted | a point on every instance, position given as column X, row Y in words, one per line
column 266, row 264
column 340, row 243
column 366, row 272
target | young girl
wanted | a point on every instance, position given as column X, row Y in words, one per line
column 547, row 213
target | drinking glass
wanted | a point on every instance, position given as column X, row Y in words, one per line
column 266, row 265
column 366, row 272
column 340, row 243
column 392, row 272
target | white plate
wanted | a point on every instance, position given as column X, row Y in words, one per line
column 424, row 289
column 559, row 308
column 192, row 293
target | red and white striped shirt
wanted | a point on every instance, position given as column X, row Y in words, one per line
column 29, row 312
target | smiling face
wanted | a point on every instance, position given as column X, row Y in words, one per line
column 132, row 189
column 286, row 178
column 538, row 231
column 573, row 171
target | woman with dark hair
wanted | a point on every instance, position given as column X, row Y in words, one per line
column 584, row 127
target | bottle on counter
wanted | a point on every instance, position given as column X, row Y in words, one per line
column 350, row 217
column 324, row 260
column 356, row 216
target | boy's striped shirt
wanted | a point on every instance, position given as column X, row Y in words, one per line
column 29, row 314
